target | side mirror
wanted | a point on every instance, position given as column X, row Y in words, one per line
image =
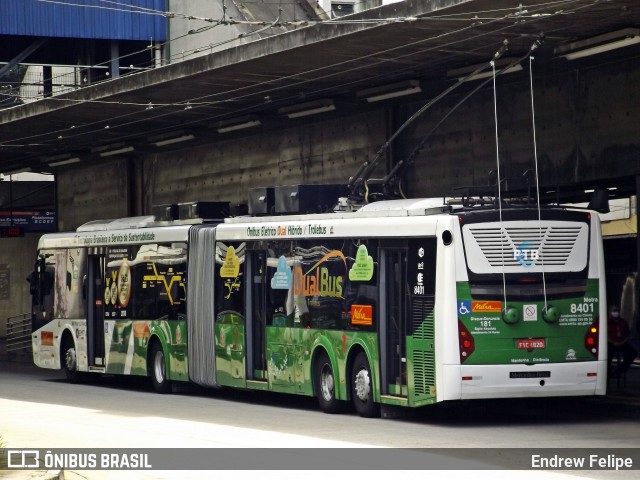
column 33, row 283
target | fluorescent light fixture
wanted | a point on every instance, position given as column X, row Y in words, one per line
column 109, row 150
column 599, row 44
column 117, row 151
column 67, row 161
column 55, row 158
column 305, row 109
column 591, row 190
column 461, row 73
column 393, row 90
column 237, row 124
column 161, row 141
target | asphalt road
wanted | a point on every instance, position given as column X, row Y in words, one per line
column 38, row 409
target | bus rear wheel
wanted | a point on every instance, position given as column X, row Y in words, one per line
column 362, row 388
column 325, row 382
column 158, row 369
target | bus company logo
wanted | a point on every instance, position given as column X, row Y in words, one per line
column 46, row 339
column 361, row 315
column 486, row 307
column 318, row 281
column 525, row 254
column 571, row 354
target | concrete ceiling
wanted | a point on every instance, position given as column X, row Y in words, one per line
column 322, row 61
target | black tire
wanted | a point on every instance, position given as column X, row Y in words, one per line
column 362, row 388
column 325, row 383
column 157, row 369
column 69, row 361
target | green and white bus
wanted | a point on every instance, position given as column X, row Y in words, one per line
column 403, row 302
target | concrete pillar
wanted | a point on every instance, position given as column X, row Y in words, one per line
column 47, row 81
column 114, row 63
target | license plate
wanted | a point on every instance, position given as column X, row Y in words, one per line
column 530, row 343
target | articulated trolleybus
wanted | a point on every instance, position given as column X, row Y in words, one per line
column 399, row 303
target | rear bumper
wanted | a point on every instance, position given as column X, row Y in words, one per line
column 495, row 381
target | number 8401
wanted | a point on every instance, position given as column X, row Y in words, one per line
column 582, row 308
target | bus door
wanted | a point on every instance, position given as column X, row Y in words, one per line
column 95, row 289
column 393, row 305
column 256, row 303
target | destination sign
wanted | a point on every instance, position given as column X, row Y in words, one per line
column 29, row 221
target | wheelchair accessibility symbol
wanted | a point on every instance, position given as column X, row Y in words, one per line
column 464, row 308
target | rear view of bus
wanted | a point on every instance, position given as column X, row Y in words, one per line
column 531, row 305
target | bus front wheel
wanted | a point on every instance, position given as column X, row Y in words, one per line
column 158, row 369
column 70, row 361
column 362, row 388
column 326, row 384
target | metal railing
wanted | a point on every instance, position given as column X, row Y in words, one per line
column 19, row 334
column 28, row 82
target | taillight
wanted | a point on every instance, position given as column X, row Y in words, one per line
column 591, row 342
column 465, row 341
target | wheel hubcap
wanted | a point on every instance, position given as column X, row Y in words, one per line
column 158, row 366
column 363, row 385
column 70, row 359
column 326, row 383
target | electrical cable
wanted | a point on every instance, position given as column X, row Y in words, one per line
column 262, row 92
column 535, row 158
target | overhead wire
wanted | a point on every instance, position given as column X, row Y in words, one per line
column 535, row 159
column 139, row 9
column 375, row 55
column 129, row 123
column 393, row 49
column 98, row 7
column 223, row 21
column 196, row 101
column 201, row 48
column 499, row 186
column 420, row 145
column 450, row 111
column 361, row 178
column 522, row 9
column 193, row 99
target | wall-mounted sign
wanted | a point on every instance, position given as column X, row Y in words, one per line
column 29, row 221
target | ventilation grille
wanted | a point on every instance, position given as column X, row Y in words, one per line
column 423, row 372
column 422, row 326
column 422, row 317
column 552, row 246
